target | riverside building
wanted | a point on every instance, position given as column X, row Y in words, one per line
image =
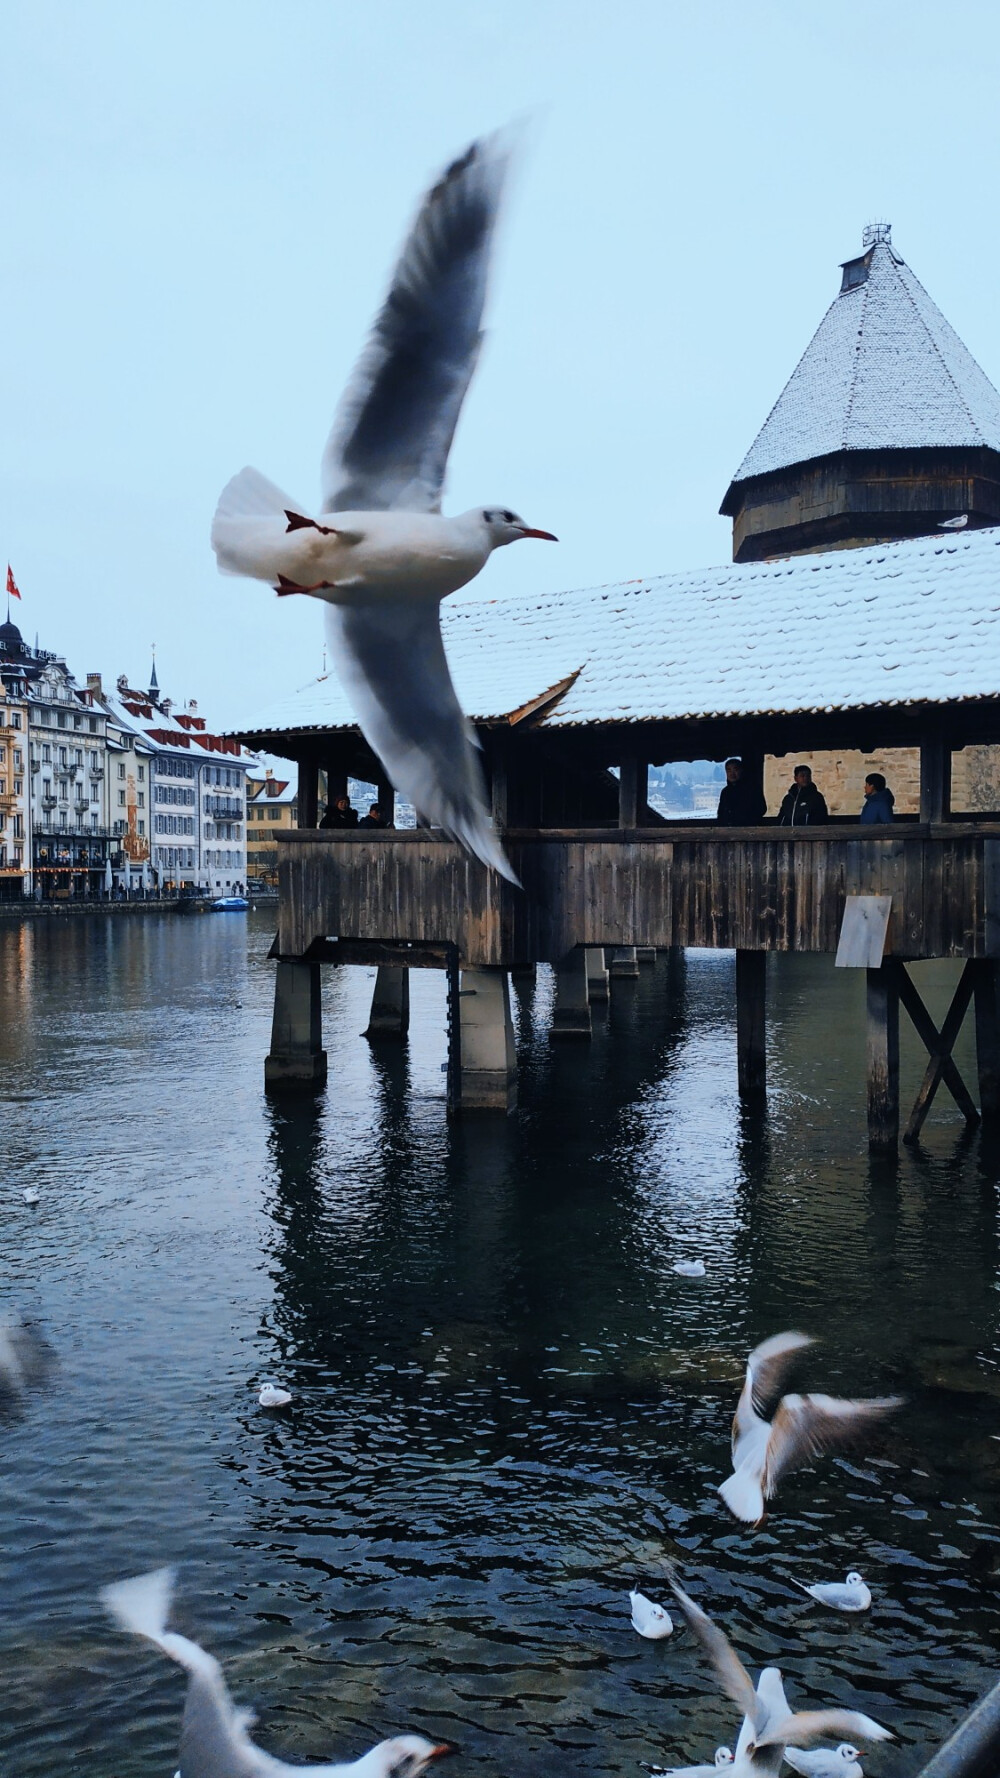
column 272, row 808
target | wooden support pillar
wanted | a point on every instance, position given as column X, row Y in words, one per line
column 935, row 779
column 597, row 974
column 883, row 1059
column 308, row 793
column 571, row 1014
column 939, row 1045
column 297, row 1056
column 751, row 1023
column 624, row 962
column 385, row 796
column 488, row 1062
column 390, row 1014
column 986, row 978
column 634, row 774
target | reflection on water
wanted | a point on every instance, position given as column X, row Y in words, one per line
column 507, row 1406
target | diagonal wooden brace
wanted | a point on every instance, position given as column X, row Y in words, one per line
column 939, row 1046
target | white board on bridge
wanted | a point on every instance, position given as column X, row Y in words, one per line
column 863, row 931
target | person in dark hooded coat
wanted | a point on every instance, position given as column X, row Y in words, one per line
column 879, row 800
column 741, row 803
column 803, row 805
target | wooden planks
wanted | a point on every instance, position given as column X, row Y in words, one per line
column 754, row 889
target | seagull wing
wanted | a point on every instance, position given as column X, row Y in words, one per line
column 214, row 1739
column 812, row 1725
column 396, row 420
column 390, row 657
column 807, row 1426
column 766, row 1367
column 729, row 1669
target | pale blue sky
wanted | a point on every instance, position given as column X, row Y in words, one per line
column 202, row 203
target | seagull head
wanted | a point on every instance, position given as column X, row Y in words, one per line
column 405, row 1756
column 854, row 1579
column 847, row 1753
column 723, row 1756
column 505, row 526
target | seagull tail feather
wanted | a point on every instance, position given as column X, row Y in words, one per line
column 250, row 520
column 743, row 1495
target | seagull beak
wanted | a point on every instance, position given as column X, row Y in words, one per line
column 546, row 534
column 442, row 1750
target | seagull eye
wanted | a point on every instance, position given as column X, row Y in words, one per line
column 508, row 518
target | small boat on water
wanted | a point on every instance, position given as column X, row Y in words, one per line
column 229, row 904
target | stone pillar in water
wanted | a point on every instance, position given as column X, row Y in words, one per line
column 297, row 1056
column 390, row 1014
column 571, row 1015
column 488, row 1059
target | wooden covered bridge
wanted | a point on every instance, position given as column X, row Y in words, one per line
column 573, row 696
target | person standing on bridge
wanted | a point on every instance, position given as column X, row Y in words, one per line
column 879, row 800
column 742, row 802
column 803, row 804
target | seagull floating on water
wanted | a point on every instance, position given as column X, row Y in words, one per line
column 723, row 1758
column 379, row 551
column 214, row 1738
column 271, row 1396
column 649, row 1619
column 769, row 1725
column 849, row 1595
column 958, row 524
column 31, row 1196
column 826, row 1762
column 803, row 1427
column 689, row 1268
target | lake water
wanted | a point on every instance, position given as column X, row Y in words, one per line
column 506, row 1405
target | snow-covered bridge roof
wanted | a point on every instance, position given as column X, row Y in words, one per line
column 916, row 622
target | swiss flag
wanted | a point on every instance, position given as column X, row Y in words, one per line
column 12, row 592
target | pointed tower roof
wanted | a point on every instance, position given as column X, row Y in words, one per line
column 883, row 371
column 154, row 684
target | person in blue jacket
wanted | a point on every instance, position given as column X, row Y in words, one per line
column 879, row 800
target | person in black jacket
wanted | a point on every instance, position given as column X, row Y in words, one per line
column 803, row 805
column 742, row 802
column 340, row 814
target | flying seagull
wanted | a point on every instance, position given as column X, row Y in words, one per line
column 379, row 551
column 803, row 1427
column 769, row 1726
column 214, row 1738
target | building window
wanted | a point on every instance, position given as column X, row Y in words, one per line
column 121, row 769
column 142, row 774
column 18, row 786
column 15, row 721
column 18, row 757
column 141, row 826
column 121, row 799
column 46, row 754
column 141, row 796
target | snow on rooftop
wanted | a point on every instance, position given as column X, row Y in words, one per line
column 884, row 371
column 900, row 623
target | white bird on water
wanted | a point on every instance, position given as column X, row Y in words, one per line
column 689, row 1268
column 272, row 1396
column 849, row 1595
column 723, row 1759
column 31, row 1195
column 958, row 524
column 769, row 1725
column 648, row 1618
column 802, row 1427
column 826, row 1762
column 214, row 1738
column 380, row 553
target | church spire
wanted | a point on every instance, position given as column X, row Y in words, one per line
column 154, row 684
